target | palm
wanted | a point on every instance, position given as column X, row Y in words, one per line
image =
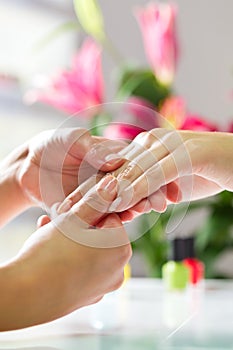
column 52, row 167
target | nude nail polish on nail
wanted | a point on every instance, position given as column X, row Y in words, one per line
column 111, row 186
column 66, row 205
column 113, row 207
column 111, row 157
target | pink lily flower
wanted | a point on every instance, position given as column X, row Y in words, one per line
column 173, row 111
column 76, row 89
column 141, row 112
column 230, row 128
column 157, row 23
column 175, row 116
column 196, row 123
column 123, row 131
column 139, row 115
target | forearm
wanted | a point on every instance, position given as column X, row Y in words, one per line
column 12, row 199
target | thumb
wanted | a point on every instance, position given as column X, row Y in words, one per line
column 43, row 220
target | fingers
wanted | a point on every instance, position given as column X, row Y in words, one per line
column 95, row 204
column 43, row 220
column 92, row 210
column 77, row 223
column 163, row 172
column 99, row 152
column 142, row 207
column 77, row 194
column 110, row 221
column 127, row 216
column 157, row 202
column 116, row 233
column 104, row 155
column 172, row 192
column 147, row 151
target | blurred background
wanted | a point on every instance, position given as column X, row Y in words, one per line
column 35, row 42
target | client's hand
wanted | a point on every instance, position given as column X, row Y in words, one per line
column 172, row 166
column 168, row 166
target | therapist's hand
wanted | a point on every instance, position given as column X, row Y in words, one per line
column 67, row 263
column 51, row 163
column 172, row 166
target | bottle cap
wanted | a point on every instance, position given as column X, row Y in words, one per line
column 178, row 252
column 189, row 247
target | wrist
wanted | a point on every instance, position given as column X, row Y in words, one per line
column 12, row 194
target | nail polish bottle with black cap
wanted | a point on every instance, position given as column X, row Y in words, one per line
column 196, row 267
column 175, row 273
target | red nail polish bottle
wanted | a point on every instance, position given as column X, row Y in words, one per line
column 196, row 267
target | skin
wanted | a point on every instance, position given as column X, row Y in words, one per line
column 53, row 275
column 177, row 166
column 44, row 170
column 167, row 166
column 159, row 168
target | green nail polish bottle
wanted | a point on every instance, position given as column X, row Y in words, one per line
column 175, row 274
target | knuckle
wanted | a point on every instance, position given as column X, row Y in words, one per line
column 193, row 149
column 126, row 253
column 158, row 133
column 191, row 145
column 80, row 135
column 118, row 283
column 149, row 139
column 123, row 255
column 141, row 135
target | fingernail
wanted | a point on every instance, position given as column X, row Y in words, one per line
column 54, row 209
column 108, row 184
column 111, row 157
column 66, row 205
column 113, row 207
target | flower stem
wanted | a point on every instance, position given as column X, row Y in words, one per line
column 112, row 51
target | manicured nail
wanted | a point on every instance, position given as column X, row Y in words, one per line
column 112, row 157
column 112, row 160
column 108, row 184
column 66, row 205
column 113, row 207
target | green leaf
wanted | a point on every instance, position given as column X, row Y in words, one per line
column 99, row 123
column 142, row 83
column 90, row 18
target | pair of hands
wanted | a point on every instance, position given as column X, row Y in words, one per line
column 167, row 166
column 159, row 167
column 162, row 166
